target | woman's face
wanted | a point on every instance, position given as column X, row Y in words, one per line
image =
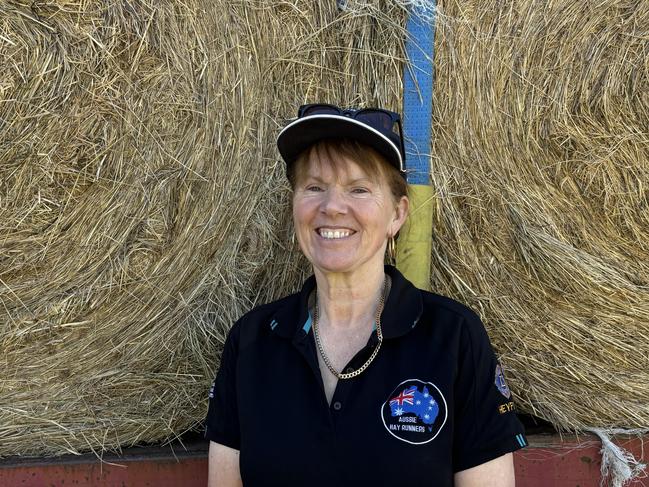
column 343, row 219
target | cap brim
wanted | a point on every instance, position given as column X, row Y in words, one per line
column 303, row 132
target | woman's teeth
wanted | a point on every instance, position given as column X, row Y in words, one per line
column 334, row 233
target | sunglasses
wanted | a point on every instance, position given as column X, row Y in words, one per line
column 384, row 121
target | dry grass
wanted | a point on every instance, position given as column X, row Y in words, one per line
column 143, row 207
column 541, row 164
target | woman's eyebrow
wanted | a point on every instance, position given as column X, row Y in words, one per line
column 359, row 180
column 311, row 177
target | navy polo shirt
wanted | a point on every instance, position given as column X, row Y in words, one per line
column 433, row 402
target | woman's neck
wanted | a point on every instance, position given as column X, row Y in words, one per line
column 349, row 301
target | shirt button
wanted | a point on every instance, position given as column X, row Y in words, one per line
column 349, row 370
column 338, row 406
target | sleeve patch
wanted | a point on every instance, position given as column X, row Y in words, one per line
column 500, row 382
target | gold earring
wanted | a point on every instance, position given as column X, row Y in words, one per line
column 392, row 250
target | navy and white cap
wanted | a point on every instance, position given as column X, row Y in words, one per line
column 374, row 127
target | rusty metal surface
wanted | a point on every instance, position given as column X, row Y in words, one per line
column 570, row 461
column 135, row 467
column 549, row 461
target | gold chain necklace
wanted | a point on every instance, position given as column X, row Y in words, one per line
column 379, row 335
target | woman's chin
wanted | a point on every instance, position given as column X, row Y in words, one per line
column 334, row 266
column 344, row 265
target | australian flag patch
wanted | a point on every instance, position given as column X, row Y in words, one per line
column 415, row 412
column 413, row 401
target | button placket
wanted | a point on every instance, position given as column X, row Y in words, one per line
column 344, row 387
column 343, row 394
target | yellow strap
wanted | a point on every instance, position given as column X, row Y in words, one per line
column 414, row 243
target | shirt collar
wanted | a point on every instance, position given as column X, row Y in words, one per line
column 400, row 314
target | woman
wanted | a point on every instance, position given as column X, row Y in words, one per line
column 361, row 378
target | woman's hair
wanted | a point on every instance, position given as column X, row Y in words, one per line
column 335, row 150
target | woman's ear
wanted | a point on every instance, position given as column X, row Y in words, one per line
column 400, row 214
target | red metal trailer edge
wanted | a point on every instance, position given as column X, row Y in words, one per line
column 549, row 461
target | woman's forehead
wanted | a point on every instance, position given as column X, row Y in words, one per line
column 339, row 167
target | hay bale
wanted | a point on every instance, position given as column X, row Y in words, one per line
column 541, row 165
column 144, row 208
column 142, row 203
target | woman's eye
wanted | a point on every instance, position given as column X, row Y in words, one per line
column 360, row 190
column 313, row 187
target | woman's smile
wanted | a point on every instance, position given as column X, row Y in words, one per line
column 329, row 233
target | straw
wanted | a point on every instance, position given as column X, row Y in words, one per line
column 143, row 206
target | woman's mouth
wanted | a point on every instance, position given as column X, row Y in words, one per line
column 334, row 233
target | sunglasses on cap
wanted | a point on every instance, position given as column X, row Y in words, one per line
column 384, row 121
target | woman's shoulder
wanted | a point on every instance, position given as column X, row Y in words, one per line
column 456, row 318
column 262, row 320
column 439, row 311
column 432, row 301
column 264, row 311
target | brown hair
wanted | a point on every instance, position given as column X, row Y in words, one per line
column 370, row 161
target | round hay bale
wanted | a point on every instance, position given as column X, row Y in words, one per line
column 541, row 167
column 142, row 203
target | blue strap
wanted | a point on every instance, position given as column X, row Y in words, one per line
column 418, row 92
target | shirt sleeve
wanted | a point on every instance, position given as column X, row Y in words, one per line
column 486, row 425
column 222, row 422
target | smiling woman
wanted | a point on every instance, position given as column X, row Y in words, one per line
column 360, row 364
column 345, row 211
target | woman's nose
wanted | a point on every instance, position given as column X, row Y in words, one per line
column 333, row 202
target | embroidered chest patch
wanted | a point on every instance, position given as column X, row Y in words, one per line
column 414, row 412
